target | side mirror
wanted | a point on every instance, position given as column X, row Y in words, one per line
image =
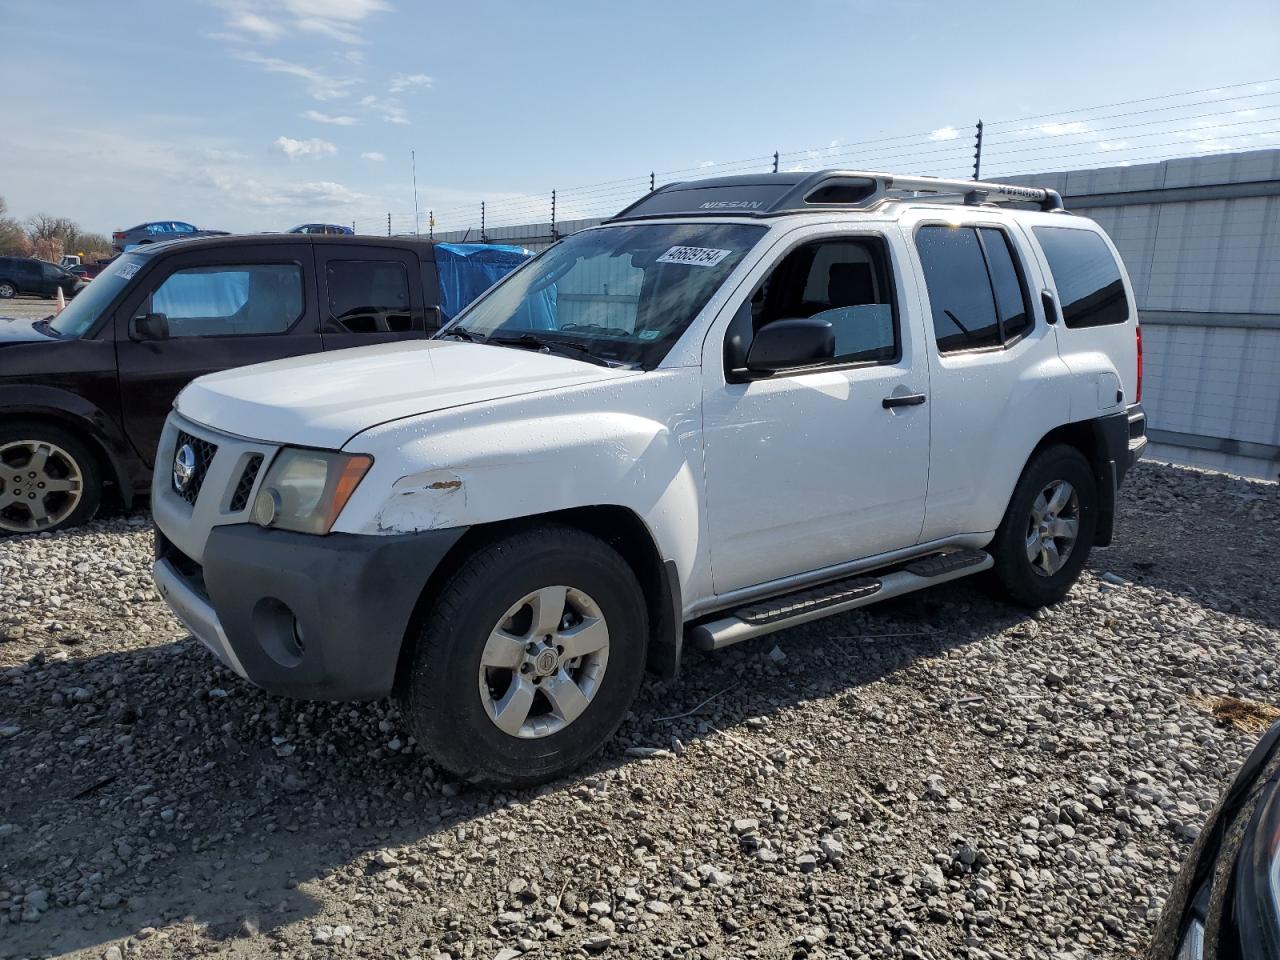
column 434, row 319
column 149, row 326
column 784, row 344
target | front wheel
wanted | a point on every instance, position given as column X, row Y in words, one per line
column 8, row 290
column 49, row 479
column 1047, row 532
column 529, row 659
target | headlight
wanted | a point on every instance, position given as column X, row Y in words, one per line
column 305, row 490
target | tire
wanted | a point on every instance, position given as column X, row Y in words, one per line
column 8, row 289
column 1035, row 565
column 65, row 461
column 451, row 706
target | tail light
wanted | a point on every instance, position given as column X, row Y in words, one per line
column 118, row 235
column 1138, row 329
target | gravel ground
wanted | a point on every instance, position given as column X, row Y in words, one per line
column 943, row 776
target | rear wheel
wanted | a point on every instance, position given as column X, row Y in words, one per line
column 8, row 290
column 1047, row 532
column 529, row 659
column 49, row 479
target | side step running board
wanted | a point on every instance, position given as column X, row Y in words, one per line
column 791, row 609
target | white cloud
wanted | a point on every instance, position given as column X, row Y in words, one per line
column 246, row 21
column 339, row 20
column 407, row 81
column 944, row 133
column 388, row 109
column 372, row 155
column 321, row 86
column 296, row 149
column 337, row 121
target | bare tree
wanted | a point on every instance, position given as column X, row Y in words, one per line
column 13, row 239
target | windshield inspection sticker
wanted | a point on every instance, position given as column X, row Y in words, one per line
column 694, row 256
column 127, row 271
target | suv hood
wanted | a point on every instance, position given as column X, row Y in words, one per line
column 324, row 400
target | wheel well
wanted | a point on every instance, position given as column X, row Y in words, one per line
column 117, row 489
column 617, row 526
column 1087, row 437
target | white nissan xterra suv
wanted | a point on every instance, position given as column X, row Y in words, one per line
column 741, row 404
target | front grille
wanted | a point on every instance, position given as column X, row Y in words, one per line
column 240, row 499
column 204, row 452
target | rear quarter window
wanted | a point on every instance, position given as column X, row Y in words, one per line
column 1087, row 276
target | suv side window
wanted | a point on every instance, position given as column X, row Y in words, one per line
column 846, row 282
column 976, row 291
column 369, row 296
column 1087, row 276
column 230, row 300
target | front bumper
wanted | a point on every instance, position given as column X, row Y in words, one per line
column 320, row 618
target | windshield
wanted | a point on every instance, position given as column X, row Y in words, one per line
column 81, row 313
column 621, row 294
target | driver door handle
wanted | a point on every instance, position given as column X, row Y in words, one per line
column 903, row 400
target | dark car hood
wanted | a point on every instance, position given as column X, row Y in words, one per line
column 20, row 330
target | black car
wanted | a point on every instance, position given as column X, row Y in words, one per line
column 38, row 278
column 84, row 395
column 1225, row 904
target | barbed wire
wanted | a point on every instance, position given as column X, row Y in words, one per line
column 1038, row 143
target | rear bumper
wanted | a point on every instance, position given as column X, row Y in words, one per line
column 319, row 618
column 1137, row 418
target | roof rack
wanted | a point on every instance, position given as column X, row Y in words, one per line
column 768, row 195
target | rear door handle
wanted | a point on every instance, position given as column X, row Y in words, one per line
column 903, row 400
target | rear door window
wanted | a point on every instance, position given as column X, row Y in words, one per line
column 1006, row 283
column 369, row 296
column 955, row 273
column 1089, row 282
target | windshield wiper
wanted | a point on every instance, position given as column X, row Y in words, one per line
column 45, row 326
column 529, row 340
column 460, row 334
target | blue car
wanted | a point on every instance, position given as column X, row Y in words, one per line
column 158, row 231
column 331, row 229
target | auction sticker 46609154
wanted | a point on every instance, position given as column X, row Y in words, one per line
column 694, row 256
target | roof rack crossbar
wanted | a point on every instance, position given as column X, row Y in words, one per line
column 763, row 195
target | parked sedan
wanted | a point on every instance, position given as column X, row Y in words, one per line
column 1225, row 904
column 157, row 231
column 36, row 278
column 84, row 395
column 331, row 229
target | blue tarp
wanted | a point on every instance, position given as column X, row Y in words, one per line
column 469, row 269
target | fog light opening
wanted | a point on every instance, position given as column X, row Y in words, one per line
column 297, row 636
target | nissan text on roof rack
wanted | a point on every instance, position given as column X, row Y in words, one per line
column 740, row 405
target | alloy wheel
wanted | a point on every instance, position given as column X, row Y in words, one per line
column 543, row 662
column 1053, row 527
column 40, row 485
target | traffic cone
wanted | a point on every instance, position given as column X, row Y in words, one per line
column 62, row 303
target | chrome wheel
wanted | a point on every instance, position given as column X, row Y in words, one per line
column 543, row 662
column 40, row 485
column 1053, row 528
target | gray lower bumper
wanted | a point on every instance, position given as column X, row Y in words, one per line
column 195, row 613
column 320, row 618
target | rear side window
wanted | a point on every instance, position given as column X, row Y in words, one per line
column 1090, row 285
column 253, row 299
column 369, row 296
column 976, row 287
column 964, row 311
